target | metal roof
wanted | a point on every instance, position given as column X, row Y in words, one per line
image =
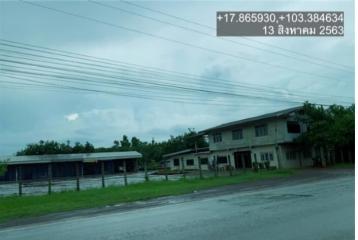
column 277, row 114
column 82, row 157
column 190, row 150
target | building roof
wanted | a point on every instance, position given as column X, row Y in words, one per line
column 186, row 151
column 74, row 157
column 278, row 114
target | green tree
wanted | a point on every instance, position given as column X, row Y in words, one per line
column 328, row 127
column 3, row 168
column 88, row 148
column 125, row 144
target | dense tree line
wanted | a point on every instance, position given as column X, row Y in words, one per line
column 152, row 151
column 329, row 127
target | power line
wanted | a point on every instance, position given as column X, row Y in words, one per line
column 177, row 41
column 150, row 70
column 246, row 38
column 127, row 72
column 133, row 82
column 213, row 36
column 107, row 70
column 44, row 73
column 142, row 80
column 63, row 87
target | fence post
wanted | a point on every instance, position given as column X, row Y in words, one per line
column 125, row 172
column 102, row 173
column 146, row 170
column 77, row 176
column 182, row 168
column 49, row 176
column 200, row 170
column 230, row 167
column 20, row 179
column 216, row 166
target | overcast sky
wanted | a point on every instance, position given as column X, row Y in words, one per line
column 28, row 115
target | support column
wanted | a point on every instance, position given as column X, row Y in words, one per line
column 182, row 167
column 77, row 176
column 200, row 170
column 49, row 176
column 350, row 157
column 230, row 167
column 125, row 172
column 278, row 154
column 145, row 170
column 342, row 155
column 216, row 166
column 323, row 157
column 102, row 173
column 20, row 179
column 243, row 156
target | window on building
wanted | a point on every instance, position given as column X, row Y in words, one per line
column 203, row 161
column 176, row 162
column 221, row 159
column 190, row 162
column 261, row 130
column 217, row 137
column 266, row 156
column 237, row 134
column 291, row 155
column 293, row 127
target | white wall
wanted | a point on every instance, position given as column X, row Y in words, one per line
column 263, row 149
column 299, row 161
column 277, row 133
column 183, row 160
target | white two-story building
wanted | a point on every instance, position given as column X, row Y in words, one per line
column 266, row 138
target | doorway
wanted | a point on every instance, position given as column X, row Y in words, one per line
column 243, row 159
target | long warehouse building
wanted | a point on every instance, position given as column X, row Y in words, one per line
column 34, row 167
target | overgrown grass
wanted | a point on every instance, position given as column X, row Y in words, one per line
column 30, row 206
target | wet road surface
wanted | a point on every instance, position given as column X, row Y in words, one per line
column 315, row 210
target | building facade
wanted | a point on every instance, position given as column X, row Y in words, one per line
column 265, row 139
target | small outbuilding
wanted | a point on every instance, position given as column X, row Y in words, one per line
column 188, row 159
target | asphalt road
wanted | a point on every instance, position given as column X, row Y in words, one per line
column 314, row 210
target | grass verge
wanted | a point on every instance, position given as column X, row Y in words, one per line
column 29, row 206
